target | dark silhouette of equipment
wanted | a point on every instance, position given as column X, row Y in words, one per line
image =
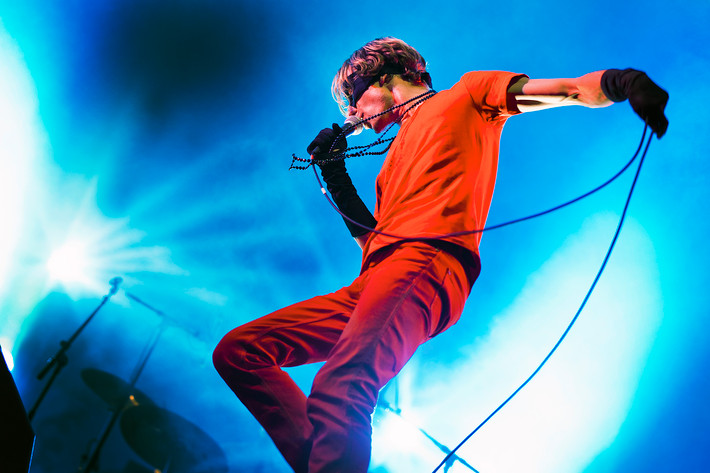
column 17, row 439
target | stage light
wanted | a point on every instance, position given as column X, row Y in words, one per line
column 398, row 434
column 69, row 263
column 399, row 445
column 85, row 249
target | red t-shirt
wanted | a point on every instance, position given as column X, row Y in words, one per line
column 439, row 174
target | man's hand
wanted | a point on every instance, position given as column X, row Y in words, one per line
column 333, row 171
column 320, row 146
column 646, row 98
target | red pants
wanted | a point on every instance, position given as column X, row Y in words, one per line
column 365, row 333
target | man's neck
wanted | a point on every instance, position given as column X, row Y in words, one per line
column 403, row 91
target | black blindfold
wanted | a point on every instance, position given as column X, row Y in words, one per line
column 361, row 84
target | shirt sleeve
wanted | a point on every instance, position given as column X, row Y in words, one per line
column 489, row 92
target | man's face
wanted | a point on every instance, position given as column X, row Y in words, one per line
column 374, row 100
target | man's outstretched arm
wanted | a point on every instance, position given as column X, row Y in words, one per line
column 596, row 89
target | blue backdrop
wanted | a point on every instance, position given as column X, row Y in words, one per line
column 151, row 140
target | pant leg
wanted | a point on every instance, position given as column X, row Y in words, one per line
column 249, row 359
column 416, row 292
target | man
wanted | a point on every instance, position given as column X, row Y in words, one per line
column 417, row 271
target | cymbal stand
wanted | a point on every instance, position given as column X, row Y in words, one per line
column 59, row 360
column 90, row 462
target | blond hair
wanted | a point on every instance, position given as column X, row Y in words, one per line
column 367, row 62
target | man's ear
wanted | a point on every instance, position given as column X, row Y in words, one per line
column 388, row 81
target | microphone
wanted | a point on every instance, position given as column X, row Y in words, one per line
column 115, row 282
column 350, row 121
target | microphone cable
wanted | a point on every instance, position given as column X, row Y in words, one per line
column 576, row 316
column 491, row 227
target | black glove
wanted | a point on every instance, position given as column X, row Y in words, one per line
column 646, row 98
column 338, row 182
column 322, row 143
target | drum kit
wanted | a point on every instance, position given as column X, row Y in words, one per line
column 166, row 441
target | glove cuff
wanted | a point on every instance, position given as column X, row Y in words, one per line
column 356, row 209
column 347, row 200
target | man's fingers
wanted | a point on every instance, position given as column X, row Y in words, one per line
column 660, row 127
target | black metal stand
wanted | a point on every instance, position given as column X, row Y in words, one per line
column 59, row 360
column 90, row 462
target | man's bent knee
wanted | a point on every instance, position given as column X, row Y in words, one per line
column 235, row 353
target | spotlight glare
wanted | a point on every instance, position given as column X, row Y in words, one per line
column 399, row 435
column 69, row 263
column 399, row 445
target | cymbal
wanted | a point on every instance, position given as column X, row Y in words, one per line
column 112, row 389
column 169, row 442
